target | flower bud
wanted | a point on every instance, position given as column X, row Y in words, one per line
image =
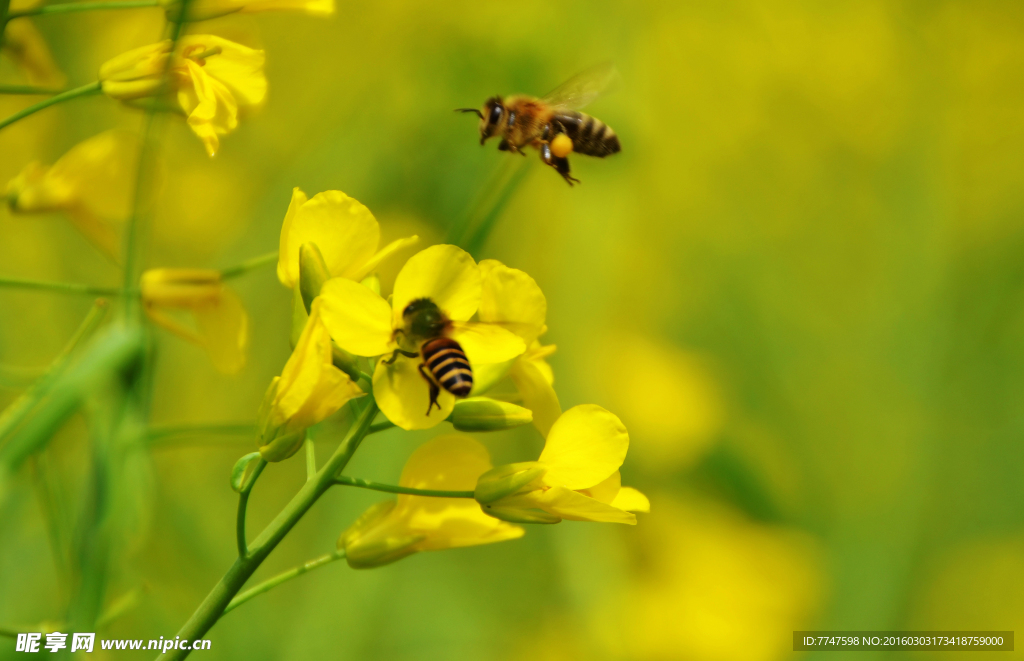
column 486, row 414
column 363, row 550
column 276, row 441
column 313, row 273
column 137, row 73
column 506, row 480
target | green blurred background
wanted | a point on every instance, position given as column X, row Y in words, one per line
column 800, row 286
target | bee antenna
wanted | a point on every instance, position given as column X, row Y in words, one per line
column 476, row 110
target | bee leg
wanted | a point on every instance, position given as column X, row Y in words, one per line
column 394, row 356
column 434, row 389
column 560, row 164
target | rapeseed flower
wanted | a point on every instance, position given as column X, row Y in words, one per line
column 343, row 230
column 91, row 183
column 576, row 476
column 394, row 529
column 511, row 297
column 309, row 389
column 24, row 44
column 364, row 324
column 212, row 78
column 221, row 323
column 200, row 10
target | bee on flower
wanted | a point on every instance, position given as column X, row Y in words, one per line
column 211, row 78
column 423, row 338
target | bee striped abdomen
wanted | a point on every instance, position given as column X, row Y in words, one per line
column 448, row 364
column 589, row 135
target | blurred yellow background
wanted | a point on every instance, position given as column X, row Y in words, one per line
column 800, row 286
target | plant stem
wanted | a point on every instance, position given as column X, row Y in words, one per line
column 310, row 458
column 391, row 488
column 84, row 90
column 270, row 583
column 248, row 265
column 15, row 412
column 61, row 287
column 213, row 606
column 383, row 425
column 28, row 89
column 243, row 501
column 160, row 435
column 66, row 7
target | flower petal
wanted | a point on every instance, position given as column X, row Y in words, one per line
column 211, row 108
column 631, row 500
column 382, row 254
column 224, row 327
column 101, row 172
column 288, row 250
column 511, row 296
column 586, row 445
column 358, row 319
column 606, row 491
column 574, row 506
column 486, row 343
column 537, row 393
column 445, row 274
column 403, row 395
column 237, row 67
column 342, row 228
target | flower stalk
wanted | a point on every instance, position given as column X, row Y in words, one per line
column 84, row 90
column 66, row 7
column 344, row 480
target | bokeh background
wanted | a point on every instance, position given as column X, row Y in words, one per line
column 800, row 285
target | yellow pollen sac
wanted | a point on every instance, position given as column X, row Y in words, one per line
column 561, row 146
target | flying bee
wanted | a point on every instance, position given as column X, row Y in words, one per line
column 553, row 124
column 444, row 362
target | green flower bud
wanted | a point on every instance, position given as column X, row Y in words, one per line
column 240, row 469
column 485, row 414
column 283, row 446
column 506, row 480
column 364, row 550
column 313, row 273
column 515, row 515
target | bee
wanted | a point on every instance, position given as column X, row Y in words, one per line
column 552, row 124
column 444, row 363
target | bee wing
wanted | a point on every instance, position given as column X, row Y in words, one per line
column 583, row 88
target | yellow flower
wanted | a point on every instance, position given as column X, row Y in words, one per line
column 212, row 78
column 362, row 323
column 511, row 297
column 394, row 529
column 200, row 10
column 24, row 44
column 344, row 231
column 576, row 476
column 91, row 183
column 221, row 323
column 309, row 389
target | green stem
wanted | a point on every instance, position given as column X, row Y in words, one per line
column 248, row 265
column 84, row 90
column 165, row 434
column 270, row 583
column 310, row 458
column 213, row 606
column 243, row 501
column 29, row 89
column 66, row 7
column 383, row 425
column 391, row 488
column 62, row 287
column 16, row 412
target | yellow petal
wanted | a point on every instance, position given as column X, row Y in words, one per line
column 537, row 394
column 287, row 253
column 145, row 62
column 606, row 491
column 631, row 500
column 511, row 296
column 403, row 394
column 224, row 327
column 445, row 274
column 311, row 387
column 486, row 343
column 312, row 7
column 358, row 319
column 586, row 445
column 101, row 173
column 382, row 254
column 342, row 228
column 26, row 47
column 574, row 506
column 212, row 110
column 237, row 67
column 449, row 463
